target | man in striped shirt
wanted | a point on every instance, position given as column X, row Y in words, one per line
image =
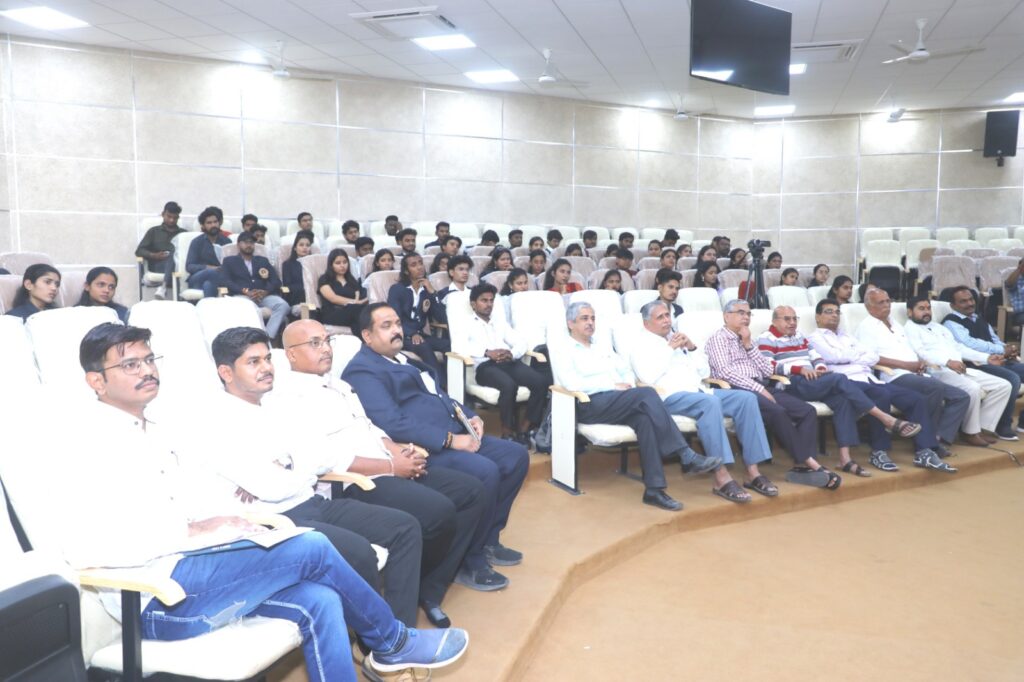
column 810, row 379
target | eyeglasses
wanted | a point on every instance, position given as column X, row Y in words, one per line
column 133, row 366
column 830, row 311
column 316, row 343
column 745, row 313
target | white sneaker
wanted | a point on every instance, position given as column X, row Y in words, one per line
column 160, row 293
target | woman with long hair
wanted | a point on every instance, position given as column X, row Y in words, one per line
column 382, row 260
column 707, row 254
column 737, row 259
column 707, row 275
column 100, row 286
column 291, row 269
column 821, row 273
column 557, row 278
column 341, row 296
column 501, row 261
column 440, row 263
column 39, row 287
column 841, row 290
column 612, row 281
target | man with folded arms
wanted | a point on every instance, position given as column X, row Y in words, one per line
column 946, row 359
column 404, row 398
column 150, row 523
column 843, row 354
column 734, row 357
column 447, row 503
column 255, row 278
column 673, row 364
column 251, row 451
column 598, row 371
column 947, row 404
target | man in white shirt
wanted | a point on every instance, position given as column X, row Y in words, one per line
column 496, row 350
column 673, row 364
column 843, row 354
column 934, row 344
column 448, row 504
column 947, row 404
column 151, row 524
column 615, row 399
column 459, row 268
column 260, row 469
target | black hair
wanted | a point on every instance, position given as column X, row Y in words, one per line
column 302, row 215
column 361, row 242
column 450, row 238
column 210, row 211
column 403, row 268
column 250, row 216
column 838, row 282
column 819, row 265
column 90, row 277
column 530, row 240
column 513, row 274
column 391, row 219
column 549, row 276
column 440, row 224
column 257, row 228
column 913, row 301
column 32, row 274
column 329, row 275
column 231, row 343
column 624, row 253
column 405, row 232
column 515, row 231
column 704, row 249
column 481, row 289
column 664, row 252
column 626, row 234
column 574, row 246
column 459, row 259
column 246, row 237
column 555, row 234
column 667, row 274
column 734, row 252
column 488, row 236
column 493, row 265
column 537, row 252
column 654, row 241
column 378, row 255
column 671, row 234
column 786, row 272
column 615, row 272
column 92, row 352
column 824, row 302
column 435, row 265
column 953, row 291
column 773, row 254
column 347, row 224
column 589, row 234
column 366, row 316
column 703, row 267
column 301, row 234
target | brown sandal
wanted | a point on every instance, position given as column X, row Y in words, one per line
column 733, row 492
column 852, row 467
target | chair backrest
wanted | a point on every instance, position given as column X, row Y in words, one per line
column 379, row 283
column 439, row 280
column 606, row 263
column 313, row 267
column 815, row 294
column 181, row 242
column 913, row 250
column 724, row 263
column 218, row 314
column 1016, row 252
column 990, row 272
column 645, row 279
column 618, row 231
column 607, row 307
column 481, row 251
column 909, row 234
column 772, row 277
column 531, row 231
column 806, row 323
column 317, row 229
column 260, row 250
column 16, row 262
column 501, row 229
column 479, row 263
column 55, row 336
column 924, row 267
column 496, row 279
column 597, row 276
column 959, row 246
column 686, row 263
column 871, row 234
column 760, row 320
column 345, row 348
column 984, row 235
column 536, row 315
column 952, row 271
column 793, row 296
column 978, row 254
column 898, row 313
column 648, row 263
column 726, row 295
column 582, row 264
column 633, row 301
column 699, row 298
column 699, row 324
column 72, row 284
column 947, row 234
column 1004, row 245
column 17, row 363
column 686, row 278
column 9, row 286
column 882, row 252
column 653, row 233
column 730, row 278
column 602, row 232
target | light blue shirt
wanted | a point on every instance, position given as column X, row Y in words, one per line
column 594, row 368
column 964, row 337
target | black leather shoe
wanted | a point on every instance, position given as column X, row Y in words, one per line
column 500, row 555
column 437, row 617
column 694, row 463
column 656, row 497
column 484, row 580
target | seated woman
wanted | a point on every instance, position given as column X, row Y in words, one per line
column 341, row 297
column 382, row 260
column 574, row 250
column 412, row 297
column 841, row 290
column 821, row 273
column 291, row 269
column 517, row 280
column 707, row 254
column 706, row 275
column 790, row 277
column 684, row 251
column 39, row 287
column 557, row 278
column 536, row 244
column 668, row 259
column 538, row 264
column 501, row 260
column 612, row 281
column 737, row 259
column 100, row 286
column 440, row 263
column 774, row 261
column 654, row 249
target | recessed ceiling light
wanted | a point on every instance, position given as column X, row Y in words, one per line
column 455, row 41
column 797, row 69
column 493, row 76
column 776, row 110
column 1015, row 98
column 44, row 18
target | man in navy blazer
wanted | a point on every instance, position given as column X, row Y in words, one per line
column 414, row 300
column 405, row 399
column 254, row 277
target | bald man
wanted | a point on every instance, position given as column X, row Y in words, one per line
column 447, row 503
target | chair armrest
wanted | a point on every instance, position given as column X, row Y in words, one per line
column 780, row 379
column 657, row 390
column 305, row 309
column 465, row 359
column 438, row 325
column 285, row 290
column 273, row 520
column 578, row 395
column 222, row 291
column 139, row 260
column 882, row 369
column 166, row 590
column 719, row 383
column 364, row 482
column 539, row 357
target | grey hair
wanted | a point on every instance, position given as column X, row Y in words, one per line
column 648, row 310
column 731, row 305
column 573, row 311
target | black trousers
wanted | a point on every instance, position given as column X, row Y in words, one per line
column 425, row 351
column 794, row 423
column 643, row 411
column 447, row 503
column 507, row 377
column 351, row 526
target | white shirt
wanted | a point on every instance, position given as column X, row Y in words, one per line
column 888, row 342
column 593, row 369
column 844, row 355
column 672, row 371
column 416, row 293
column 484, row 335
column 452, row 288
column 936, row 346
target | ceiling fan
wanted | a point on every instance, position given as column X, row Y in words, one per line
column 920, row 53
column 552, row 77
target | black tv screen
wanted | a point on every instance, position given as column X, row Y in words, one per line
column 741, row 43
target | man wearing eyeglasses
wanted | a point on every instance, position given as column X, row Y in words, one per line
column 843, row 354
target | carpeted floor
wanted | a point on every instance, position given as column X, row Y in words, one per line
column 923, row 584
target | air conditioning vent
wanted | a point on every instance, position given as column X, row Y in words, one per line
column 827, row 51
column 403, row 24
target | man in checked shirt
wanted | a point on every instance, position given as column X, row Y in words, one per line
column 734, row 357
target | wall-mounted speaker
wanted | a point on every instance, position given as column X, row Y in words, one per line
column 1001, row 133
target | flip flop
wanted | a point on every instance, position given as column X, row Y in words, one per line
column 817, row 478
column 852, row 467
column 762, row 485
column 905, row 429
column 731, row 491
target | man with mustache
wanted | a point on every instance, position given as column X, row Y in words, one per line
column 404, row 398
column 260, row 470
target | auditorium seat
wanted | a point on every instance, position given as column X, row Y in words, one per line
column 645, row 279
column 17, row 364
column 9, row 286
column 694, row 299
column 181, row 243
column 984, row 235
column 793, row 296
column 379, row 283
column 496, row 279
column 648, row 263
column 16, row 262
column 597, row 276
column 55, row 336
column 583, row 265
column 732, row 278
column 1004, row 245
column 602, row 232
column 218, row 314
column 947, row 234
column 819, row 293
column 633, row 301
column 537, row 314
column 72, row 285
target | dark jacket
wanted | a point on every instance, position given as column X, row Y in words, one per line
column 236, row 276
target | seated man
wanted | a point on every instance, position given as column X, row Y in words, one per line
column 202, row 262
column 624, row 261
column 734, row 357
column 255, row 278
column 947, row 404
column 157, row 246
column 259, row 233
column 1014, row 293
column 809, row 379
column 392, row 225
column 305, row 221
column 151, row 524
column 589, row 242
column 249, row 220
column 404, row 398
column 451, row 245
column 459, row 268
column 672, row 363
column 989, row 394
column 670, row 239
column 553, row 241
column 496, row 350
column 350, row 231
column 364, row 246
column 406, row 238
column 667, row 281
column 723, row 246
column 515, row 238
column 413, row 298
column 447, row 503
column 843, row 354
column 440, row 232
column 971, row 330
column 614, row 399
column 626, row 240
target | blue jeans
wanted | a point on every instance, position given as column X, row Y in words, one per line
column 844, row 397
column 279, row 310
column 708, row 411
column 303, row 580
column 1012, row 372
column 912, row 404
column 208, row 280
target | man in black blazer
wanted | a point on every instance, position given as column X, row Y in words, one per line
column 404, row 399
column 415, row 301
column 254, row 277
